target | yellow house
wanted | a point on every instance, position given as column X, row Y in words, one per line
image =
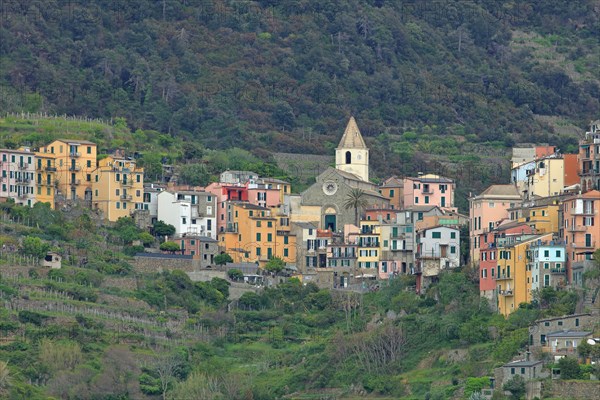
column 512, row 275
column 75, row 162
column 118, row 187
column 45, row 179
column 543, row 218
column 369, row 248
column 256, row 234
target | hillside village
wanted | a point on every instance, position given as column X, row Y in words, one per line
column 343, row 232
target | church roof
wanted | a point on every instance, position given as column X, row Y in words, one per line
column 352, row 139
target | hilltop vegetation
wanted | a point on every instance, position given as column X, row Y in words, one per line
column 98, row 329
column 284, row 76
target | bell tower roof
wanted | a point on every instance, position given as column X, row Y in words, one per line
column 352, row 139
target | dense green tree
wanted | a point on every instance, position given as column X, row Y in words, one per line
column 516, row 387
column 161, row 229
column 170, row 247
column 275, row 265
column 222, row 259
column 569, row 368
column 34, row 246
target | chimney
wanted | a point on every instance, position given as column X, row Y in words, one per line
column 527, row 355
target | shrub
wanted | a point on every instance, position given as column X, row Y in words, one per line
column 235, row 274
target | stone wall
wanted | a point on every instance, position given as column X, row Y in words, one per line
column 572, row 389
column 147, row 265
column 124, row 283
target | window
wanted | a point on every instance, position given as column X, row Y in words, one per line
column 426, row 199
column 89, row 149
column 452, row 249
column 258, row 237
column 269, row 237
column 183, row 220
column 89, row 163
column 124, row 205
column 117, row 192
column 258, row 224
column 436, row 235
column 547, row 323
column 391, row 192
column 118, row 205
column 576, row 321
column 138, row 178
column 546, row 253
column 560, row 323
column 285, row 240
column 558, row 253
column 512, row 371
column 118, row 177
column 522, row 371
column 452, row 235
column 88, row 177
column 285, row 252
column 269, row 224
column 416, row 200
column 348, row 157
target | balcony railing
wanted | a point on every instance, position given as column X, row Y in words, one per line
column 74, row 154
column 127, row 183
column 558, row 270
column 503, row 277
column 22, row 196
column 23, row 180
column 506, row 292
column 369, row 244
column 126, row 197
column 577, row 228
column 589, row 245
column 427, row 191
column 23, row 165
column 75, row 182
column 74, row 168
column 50, row 169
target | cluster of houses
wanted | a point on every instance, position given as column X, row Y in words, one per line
column 538, row 230
column 541, row 229
column 341, row 231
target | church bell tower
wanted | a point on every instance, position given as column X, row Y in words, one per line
column 352, row 155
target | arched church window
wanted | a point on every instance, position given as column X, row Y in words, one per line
column 348, row 157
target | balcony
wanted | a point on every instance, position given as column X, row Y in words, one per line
column 128, row 183
column 591, row 171
column 74, row 168
column 427, row 191
column 23, row 181
column 75, row 182
column 590, row 245
column 504, row 277
column 126, row 197
column 577, row 228
column 369, row 244
column 558, row 271
column 23, row 165
column 506, row 293
column 75, row 154
column 22, row 196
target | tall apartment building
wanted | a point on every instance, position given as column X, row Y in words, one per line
column 17, row 176
column 118, row 186
column 75, row 163
column 45, row 178
column 486, row 210
column 589, row 158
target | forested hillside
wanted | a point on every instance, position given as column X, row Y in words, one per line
column 285, row 75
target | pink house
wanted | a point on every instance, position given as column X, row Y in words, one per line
column 486, row 210
column 17, row 176
column 429, row 190
column 488, row 256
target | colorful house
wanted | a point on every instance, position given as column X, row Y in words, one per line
column 486, row 210
column 438, row 249
column 393, row 189
column 589, row 158
column 580, row 227
column 429, row 190
column 75, row 162
column 118, row 187
column 190, row 212
column 257, row 234
column 18, row 176
column 547, row 265
column 512, row 271
column 45, row 169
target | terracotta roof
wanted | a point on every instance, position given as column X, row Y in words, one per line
column 352, row 139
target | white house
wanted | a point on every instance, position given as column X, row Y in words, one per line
column 189, row 212
column 438, row 249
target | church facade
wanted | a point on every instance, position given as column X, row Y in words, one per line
column 333, row 187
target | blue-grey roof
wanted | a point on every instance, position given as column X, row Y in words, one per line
column 576, row 334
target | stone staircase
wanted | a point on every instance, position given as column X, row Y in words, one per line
column 591, row 301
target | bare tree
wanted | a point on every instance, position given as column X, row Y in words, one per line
column 166, row 366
